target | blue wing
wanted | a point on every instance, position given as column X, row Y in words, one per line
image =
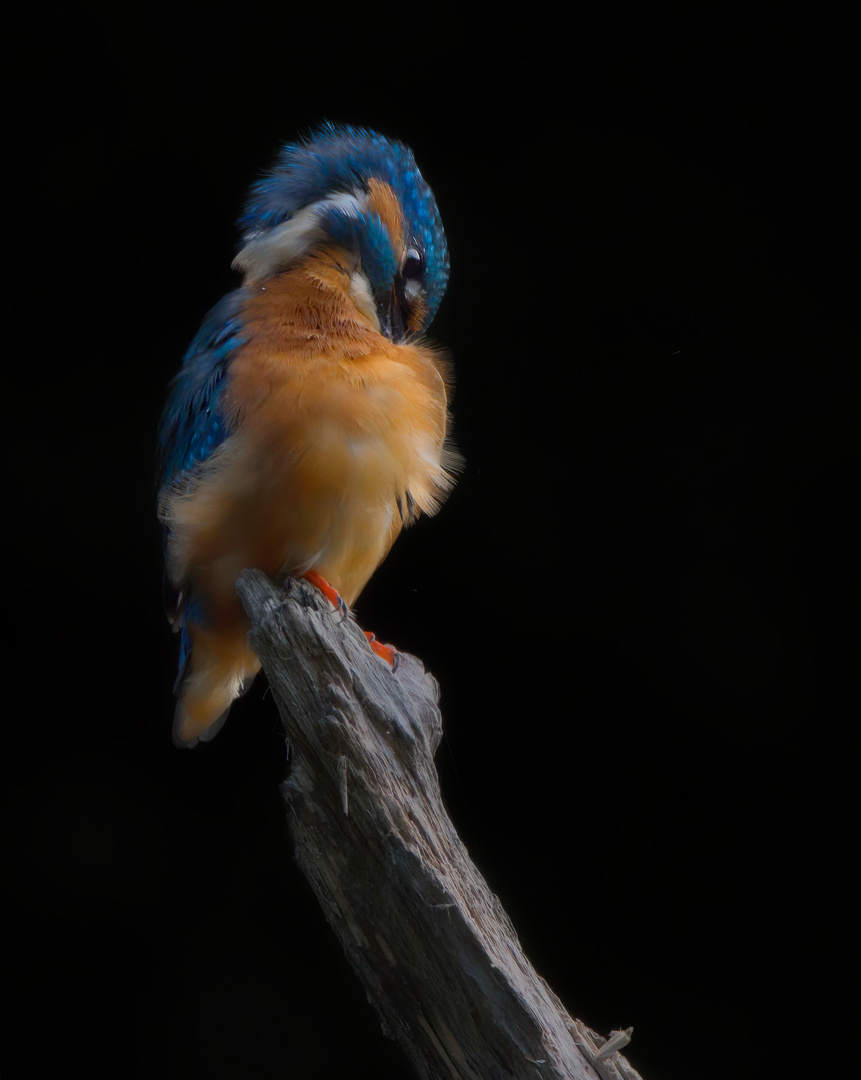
column 192, row 425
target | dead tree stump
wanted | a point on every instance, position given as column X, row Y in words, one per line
column 438, row 956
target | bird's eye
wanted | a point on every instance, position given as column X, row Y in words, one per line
column 413, row 264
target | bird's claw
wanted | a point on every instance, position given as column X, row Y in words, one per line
column 385, row 652
column 332, row 595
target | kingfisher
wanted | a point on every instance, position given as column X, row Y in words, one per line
column 309, row 421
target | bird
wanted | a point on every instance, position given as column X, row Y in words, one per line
column 309, row 421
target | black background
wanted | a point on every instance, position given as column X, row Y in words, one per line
column 638, row 601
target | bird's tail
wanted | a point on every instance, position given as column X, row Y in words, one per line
column 216, row 667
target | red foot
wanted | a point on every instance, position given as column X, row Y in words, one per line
column 332, row 595
column 385, row 652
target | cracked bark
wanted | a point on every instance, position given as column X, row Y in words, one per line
column 437, row 954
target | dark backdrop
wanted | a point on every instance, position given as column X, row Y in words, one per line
column 638, row 601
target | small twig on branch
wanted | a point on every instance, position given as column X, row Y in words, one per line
column 438, row 956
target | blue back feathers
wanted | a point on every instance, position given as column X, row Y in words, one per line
column 192, row 426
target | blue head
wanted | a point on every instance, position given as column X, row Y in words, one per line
column 361, row 192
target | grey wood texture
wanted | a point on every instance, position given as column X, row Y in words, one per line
column 438, row 956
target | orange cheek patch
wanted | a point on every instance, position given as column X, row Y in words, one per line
column 383, row 201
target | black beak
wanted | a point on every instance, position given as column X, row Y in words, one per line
column 391, row 316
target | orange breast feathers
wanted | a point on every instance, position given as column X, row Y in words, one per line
column 338, row 439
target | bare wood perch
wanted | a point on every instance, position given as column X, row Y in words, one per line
column 437, row 954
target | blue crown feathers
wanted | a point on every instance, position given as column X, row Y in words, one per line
column 335, row 160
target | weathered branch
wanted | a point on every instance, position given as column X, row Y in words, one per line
column 437, row 954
